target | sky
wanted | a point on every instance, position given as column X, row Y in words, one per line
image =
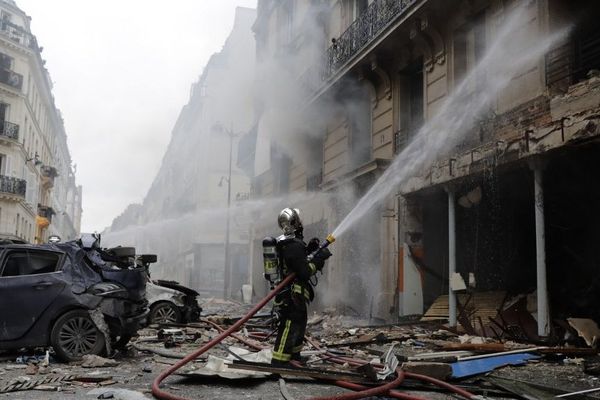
column 122, row 70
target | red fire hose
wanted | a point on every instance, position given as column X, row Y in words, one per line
column 249, row 343
column 393, row 393
column 362, row 390
column 161, row 394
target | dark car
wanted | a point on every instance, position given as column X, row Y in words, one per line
column 80, row 300
column 169, row 301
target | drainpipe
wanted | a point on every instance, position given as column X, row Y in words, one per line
column 540, row 246
column 451, row 256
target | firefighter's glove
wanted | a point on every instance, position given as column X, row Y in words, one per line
column 324, row 254
column 320, row 258
column 312, row 245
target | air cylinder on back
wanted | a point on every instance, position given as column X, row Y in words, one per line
column 271, row 260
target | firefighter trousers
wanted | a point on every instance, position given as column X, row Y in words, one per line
column 291, row 330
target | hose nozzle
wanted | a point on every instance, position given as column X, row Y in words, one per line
column 328, row 240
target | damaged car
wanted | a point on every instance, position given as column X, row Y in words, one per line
column 169, row 301
column 74, row 296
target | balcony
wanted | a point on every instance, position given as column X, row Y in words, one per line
column 17, row 34
column 363, row 31
column 11, row 78
column 48, row 175
column 9, row 130
column 12, row 188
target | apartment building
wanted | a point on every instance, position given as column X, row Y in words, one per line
column 511, row 207
column 38, row 193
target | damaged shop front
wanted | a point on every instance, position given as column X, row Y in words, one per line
column 500, row 237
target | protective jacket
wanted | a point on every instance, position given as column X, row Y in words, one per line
column 292, row 253
column 292, row 301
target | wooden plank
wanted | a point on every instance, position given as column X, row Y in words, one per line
column 480, row 306
column 302, row 372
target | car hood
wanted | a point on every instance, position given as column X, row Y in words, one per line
column 176, row 286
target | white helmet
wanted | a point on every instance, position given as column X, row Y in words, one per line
column 289, row 220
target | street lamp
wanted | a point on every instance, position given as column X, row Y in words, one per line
column 218, row 127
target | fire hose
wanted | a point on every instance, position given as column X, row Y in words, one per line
column 395, row 394
column 362, row 393
column 161, row 394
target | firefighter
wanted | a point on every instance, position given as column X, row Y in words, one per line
column 291, row 303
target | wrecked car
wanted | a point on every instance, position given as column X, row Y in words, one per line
column 169, row 301
column 72, row 296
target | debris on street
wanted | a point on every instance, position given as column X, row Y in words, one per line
column 339, row 349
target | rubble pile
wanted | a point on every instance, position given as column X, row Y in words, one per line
column 339, row 348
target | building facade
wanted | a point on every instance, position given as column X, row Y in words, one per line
column 38, row 193
column 503, row 201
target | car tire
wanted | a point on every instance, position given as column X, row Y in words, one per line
column 164, row 312
column 74, row 335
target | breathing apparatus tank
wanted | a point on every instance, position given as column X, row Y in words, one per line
column 271, row 260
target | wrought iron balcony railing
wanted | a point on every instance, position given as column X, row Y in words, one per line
column 11, row 78
column 12, row 185
column 18, row 35
column 366, row 28
column 9, row 130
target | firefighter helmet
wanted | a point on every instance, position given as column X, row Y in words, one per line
column 289, row 220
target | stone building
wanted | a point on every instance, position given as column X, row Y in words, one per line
column 509, row 206
column 38, row 193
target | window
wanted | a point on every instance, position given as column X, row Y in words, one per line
column 360, row 114
column 412, row 100
column 6, row 17
column 30, row 262
column 469, row 48
column 3, row 113
column 5, row 61
column 360, row 6
column 286, row 22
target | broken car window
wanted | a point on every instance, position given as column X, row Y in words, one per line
column 23, row 262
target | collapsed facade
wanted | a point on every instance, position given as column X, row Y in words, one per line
column 38, row 193
column 511, row 208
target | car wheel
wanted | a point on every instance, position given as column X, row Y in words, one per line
column 74, row 335
column 164, row 313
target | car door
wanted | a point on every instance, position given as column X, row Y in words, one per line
column 30, row 280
